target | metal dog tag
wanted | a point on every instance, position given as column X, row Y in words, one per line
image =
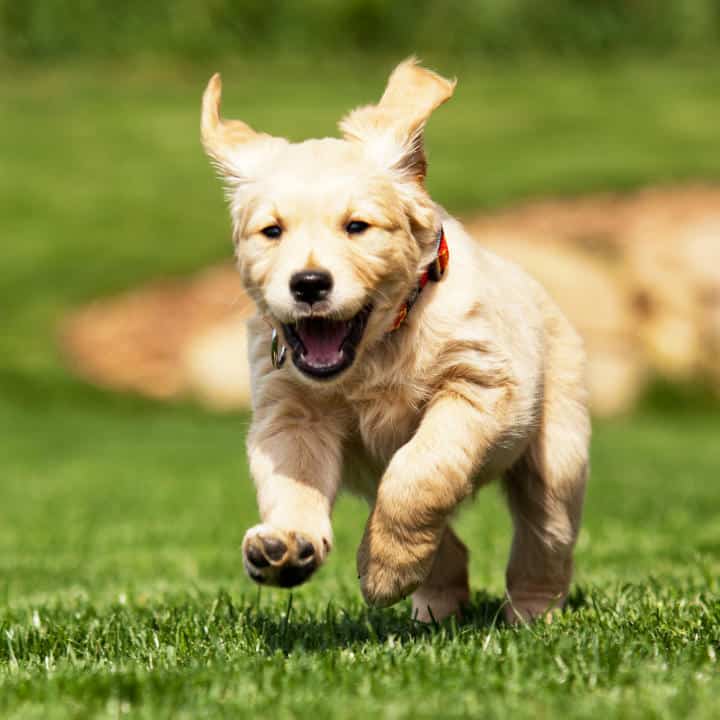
column 277, row 351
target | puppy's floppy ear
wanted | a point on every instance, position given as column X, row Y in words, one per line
column 393, row 129
column 229, row 143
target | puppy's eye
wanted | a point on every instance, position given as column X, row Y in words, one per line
column 272, row 231
column 355, row 227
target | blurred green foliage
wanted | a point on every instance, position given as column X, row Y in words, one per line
column 187, row 29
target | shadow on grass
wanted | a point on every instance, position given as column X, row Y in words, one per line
column 340, row 628
column 289, row 631
column 577, row 599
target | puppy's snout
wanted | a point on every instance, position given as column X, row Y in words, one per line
column 311, row 286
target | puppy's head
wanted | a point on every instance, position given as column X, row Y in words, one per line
column 331, row 234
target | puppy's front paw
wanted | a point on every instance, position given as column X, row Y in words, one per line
column 392, row 565
column 277, row 557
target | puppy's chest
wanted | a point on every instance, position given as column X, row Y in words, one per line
column 387, row 416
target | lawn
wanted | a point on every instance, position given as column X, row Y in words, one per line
column 121, row 589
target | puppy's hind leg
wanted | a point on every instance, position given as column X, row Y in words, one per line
column 545, row 491
column 445, row 590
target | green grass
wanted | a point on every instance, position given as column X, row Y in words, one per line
column 121, row 591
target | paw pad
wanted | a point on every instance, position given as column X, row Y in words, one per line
column 275, row 557
column 273, row 548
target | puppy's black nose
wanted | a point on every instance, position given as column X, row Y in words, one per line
column 310, row 286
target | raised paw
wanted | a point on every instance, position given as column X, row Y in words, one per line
column 278, row 557
column 390, row 567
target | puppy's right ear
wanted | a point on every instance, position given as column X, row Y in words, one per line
column 231, row 144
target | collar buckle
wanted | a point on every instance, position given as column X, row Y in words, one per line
column 277, row 351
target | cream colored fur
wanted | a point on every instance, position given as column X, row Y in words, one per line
column 483, row 380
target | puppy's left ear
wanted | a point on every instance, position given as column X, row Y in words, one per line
column 393, row 129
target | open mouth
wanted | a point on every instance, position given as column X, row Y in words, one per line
column 323, row 347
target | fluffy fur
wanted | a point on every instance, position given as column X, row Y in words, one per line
column 483, row 380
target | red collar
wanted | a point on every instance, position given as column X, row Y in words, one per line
column 434, row 271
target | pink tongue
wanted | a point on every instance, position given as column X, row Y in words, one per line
column 322, row 340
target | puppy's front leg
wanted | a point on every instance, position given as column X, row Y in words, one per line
column 295, row 454
column 424, row 482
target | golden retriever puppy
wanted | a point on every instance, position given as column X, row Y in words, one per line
column 393, row 353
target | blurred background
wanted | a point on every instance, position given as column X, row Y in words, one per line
column 583, row 141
